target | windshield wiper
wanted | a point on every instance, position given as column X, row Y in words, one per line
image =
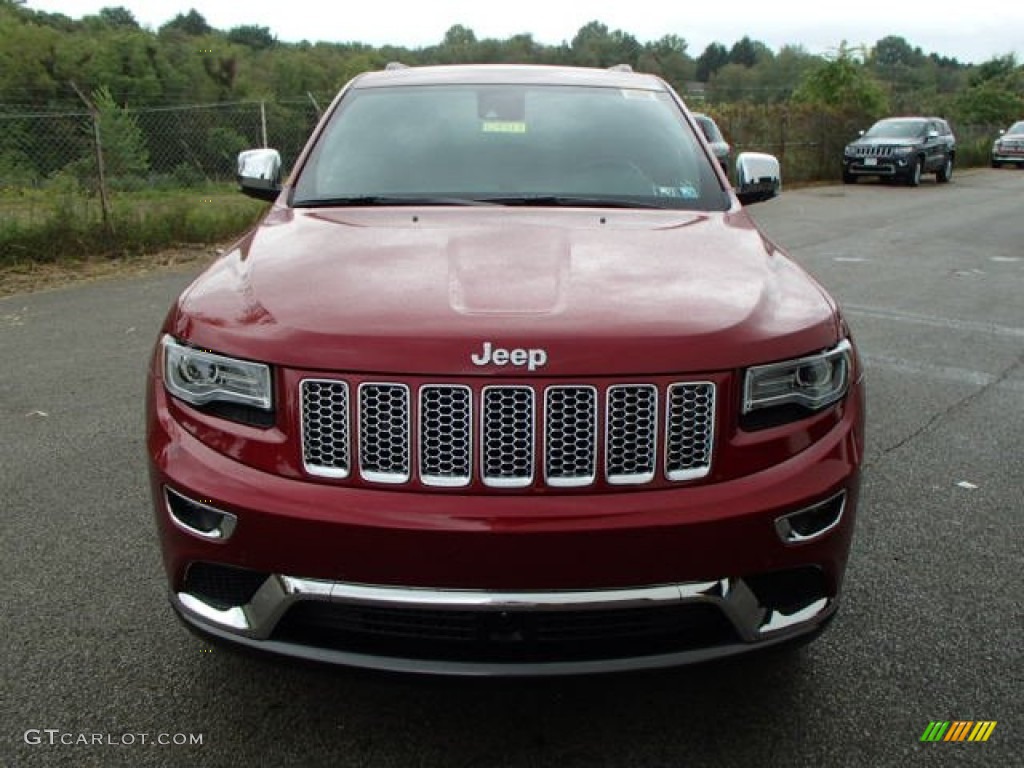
column 571, row 201
column 358, row 201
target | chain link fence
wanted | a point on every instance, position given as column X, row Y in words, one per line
column 188, row 146
column 170, row 147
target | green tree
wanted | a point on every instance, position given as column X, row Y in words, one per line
column 995, row 94
column 734, row 82
column 843, row 82
column 118, row 17
column 715, row 57
column 744, row 52
column 996, row 69
column 895, row 51
column 459, row 45
column 257, row 38
column 667, row 57
column 124, row 149
column 595, row 46
column 192, row 23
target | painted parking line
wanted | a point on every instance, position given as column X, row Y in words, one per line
column 880, row 313
column 942, row 372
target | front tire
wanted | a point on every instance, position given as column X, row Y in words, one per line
column 914, row 175
column 945, row 173
column 849, row 178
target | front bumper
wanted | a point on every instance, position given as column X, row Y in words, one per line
column 508, row 584
column 883, row 166
column 494, row 634
column 1008, row 156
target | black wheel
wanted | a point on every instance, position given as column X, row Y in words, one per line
column 945, row 173
column 849, row 178
column 914, row 174
column 996, row 164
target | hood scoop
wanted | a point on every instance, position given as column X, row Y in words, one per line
column 498, row 272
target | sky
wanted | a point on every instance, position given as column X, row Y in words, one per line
column 992, row 28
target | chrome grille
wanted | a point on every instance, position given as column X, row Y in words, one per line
column 631, row 433
column 384, row 432
column 507, row 449
column 570, row 429
column 689, row 430
column 325, row 432
column 874, row 151
column 446, row 435
column 502, row 435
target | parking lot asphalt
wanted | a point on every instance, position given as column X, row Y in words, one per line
column 932, row 283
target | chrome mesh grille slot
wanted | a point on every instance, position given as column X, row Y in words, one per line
column 507, row 437
column 450, row 432
column 874, row 151
column 446, row 435
column 325, row 428
column 690, row 428
column 384, row 432
column 631, row 433
column 570, row 436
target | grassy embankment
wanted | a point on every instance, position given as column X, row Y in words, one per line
column 61, row 226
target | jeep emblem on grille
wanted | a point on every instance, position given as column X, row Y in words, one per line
column 531, row 358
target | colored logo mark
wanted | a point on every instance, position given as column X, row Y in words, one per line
column 958, row 730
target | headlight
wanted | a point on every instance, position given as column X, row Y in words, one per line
column 813, row 382
column 200, row 377
column 903, row 150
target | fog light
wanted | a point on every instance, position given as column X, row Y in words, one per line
column 198, row 518
column 812, row 522
column 222, row 586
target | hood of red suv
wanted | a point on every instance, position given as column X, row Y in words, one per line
column 423, row 291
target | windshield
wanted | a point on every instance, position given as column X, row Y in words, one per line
column 897, row 129
column 509, row 144
column 1017, row 127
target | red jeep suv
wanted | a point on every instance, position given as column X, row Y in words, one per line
column 505, row 382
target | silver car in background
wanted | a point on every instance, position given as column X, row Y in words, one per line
column 715, row 139
column 1009, row 147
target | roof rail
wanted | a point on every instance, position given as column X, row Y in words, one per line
column 392, row 65
column 620, row 68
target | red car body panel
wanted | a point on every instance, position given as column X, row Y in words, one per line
column 414, row 291
column 545, row 541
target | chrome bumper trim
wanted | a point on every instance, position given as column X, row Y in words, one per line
column 253, row 624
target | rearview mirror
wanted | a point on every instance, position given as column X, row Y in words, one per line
column 758, row 177
column 259, row 173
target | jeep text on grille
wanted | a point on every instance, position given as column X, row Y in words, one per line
column 531, row 358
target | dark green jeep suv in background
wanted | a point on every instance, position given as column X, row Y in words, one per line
column 902, row 148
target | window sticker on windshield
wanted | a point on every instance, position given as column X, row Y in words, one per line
column 684, row 192
column 633, row 93
column 503, row 126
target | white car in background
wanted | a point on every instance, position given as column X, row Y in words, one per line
column 1009, row 147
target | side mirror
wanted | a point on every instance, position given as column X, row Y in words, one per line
column 259, row 173
column 933, row 134
column 758, row 177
